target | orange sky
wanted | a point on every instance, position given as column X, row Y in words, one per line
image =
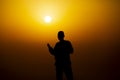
column 24, row 19
column 93, row 27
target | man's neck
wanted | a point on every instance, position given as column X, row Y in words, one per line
column 62, row 40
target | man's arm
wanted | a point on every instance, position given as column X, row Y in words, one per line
column 51, row 50
column 70, row 48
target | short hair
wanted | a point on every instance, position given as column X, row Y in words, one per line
column 61, row 34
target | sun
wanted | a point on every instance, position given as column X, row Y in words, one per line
column 47, row 19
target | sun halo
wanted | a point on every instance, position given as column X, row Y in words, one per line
column 47, row 19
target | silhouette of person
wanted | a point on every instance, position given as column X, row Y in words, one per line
column 62, row 51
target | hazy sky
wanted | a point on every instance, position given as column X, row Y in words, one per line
column 24, row 19
column 93, row 27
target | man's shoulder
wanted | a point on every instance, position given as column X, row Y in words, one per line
column 67, row 41
column 57, row 43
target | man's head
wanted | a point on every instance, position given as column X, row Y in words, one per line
column 61, row 35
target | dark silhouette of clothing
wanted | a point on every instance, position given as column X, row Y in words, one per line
column 62, row 51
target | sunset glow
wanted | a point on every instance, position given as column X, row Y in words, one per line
column 27, row 26
column 48, row 19
column 26, row 20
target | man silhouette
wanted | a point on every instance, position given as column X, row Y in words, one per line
column 62, row 51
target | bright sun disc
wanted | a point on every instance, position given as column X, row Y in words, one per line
column 47, row 19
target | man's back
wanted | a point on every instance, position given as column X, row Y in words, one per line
column 63, row 49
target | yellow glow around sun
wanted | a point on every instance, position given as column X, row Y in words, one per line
column 47, row 19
